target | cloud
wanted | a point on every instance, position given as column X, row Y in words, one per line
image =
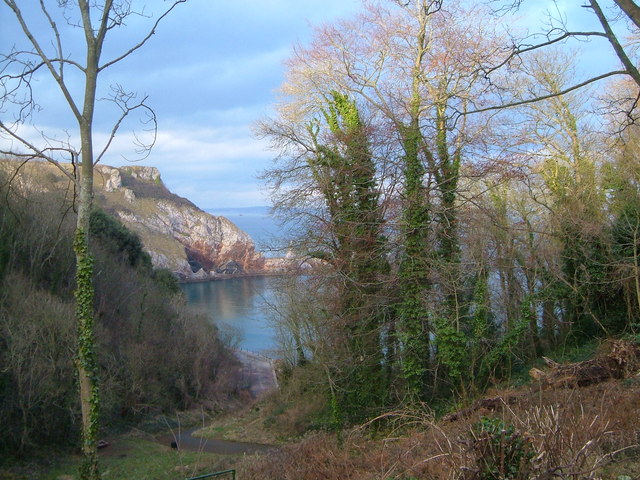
column 210, row 72
column 211, row 166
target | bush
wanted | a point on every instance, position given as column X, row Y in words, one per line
column 37, row 388
column 501, row 452
column 118, row 239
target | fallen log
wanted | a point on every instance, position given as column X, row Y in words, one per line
column 621, row 360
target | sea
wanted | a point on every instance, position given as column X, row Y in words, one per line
column 242, row 309
column 265, row 230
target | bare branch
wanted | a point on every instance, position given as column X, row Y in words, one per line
column 123, row 101
column 56, row 32
column 630, row 67
column 519, row 50
column 544, row 97
column 46, row 60
column 630, row 9
column 152, row 31
column 38, row 153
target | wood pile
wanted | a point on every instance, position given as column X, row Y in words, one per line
column 622, row 360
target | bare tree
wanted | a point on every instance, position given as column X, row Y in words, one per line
column 556, row 32
column 411, row 66
column 50, row 51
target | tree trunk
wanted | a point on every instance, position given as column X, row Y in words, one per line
column 630, row 9
column 414, row 328
column 86, row 361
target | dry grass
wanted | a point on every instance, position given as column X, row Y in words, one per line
column 273, row 420
column 574, row 433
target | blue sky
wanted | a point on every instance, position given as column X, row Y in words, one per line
column 210, row 73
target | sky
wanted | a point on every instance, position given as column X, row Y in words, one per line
column 210, row 72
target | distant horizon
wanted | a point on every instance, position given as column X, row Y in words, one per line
column 237, row 209
column 257, row 221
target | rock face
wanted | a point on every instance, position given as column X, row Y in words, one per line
column 179, row 236
column 193, row 244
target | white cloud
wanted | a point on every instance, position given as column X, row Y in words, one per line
column 213, row 167
column 210, row 72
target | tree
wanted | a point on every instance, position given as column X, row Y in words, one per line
column 411, row 66
column 569, row 165
column 622, row 183
column 54, row 55
column 556, row 33
column 345, row 174
column 497, row 230
column 336, row 167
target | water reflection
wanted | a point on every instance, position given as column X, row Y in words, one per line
column 238, row 306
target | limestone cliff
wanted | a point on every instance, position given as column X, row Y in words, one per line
column 178, row 235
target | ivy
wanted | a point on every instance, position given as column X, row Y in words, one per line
column 414, row 317
column 344, row 174
column 511, row 339
column 86, row 357
column 452, row 348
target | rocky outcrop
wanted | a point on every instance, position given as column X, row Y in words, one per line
column 292, row 264
column 178, row 235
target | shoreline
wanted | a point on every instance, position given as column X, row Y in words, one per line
column 219, row 277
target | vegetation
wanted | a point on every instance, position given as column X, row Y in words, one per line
column 457, row 242
column 496, row 237
column 151, row 355
column 523, row 434
column 46, row 45
column 137, row 456
column 344, row 173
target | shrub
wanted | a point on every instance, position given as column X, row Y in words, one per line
column 501, row 452
column 118, row 239
column 37, row 389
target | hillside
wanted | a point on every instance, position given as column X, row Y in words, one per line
column 538, row 431
column 152, row 354
column 179, row 236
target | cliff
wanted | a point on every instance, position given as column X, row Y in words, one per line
column 193, row 244
column 178, row 235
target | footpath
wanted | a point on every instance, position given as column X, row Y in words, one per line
column 257, row 374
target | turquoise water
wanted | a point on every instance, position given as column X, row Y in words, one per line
column 239, row 307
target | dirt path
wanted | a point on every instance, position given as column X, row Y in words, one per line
column 258, row 373
column 186, row 441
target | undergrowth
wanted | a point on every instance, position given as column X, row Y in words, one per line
column 585, row 433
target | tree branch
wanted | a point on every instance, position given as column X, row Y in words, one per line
column 152, row 31
column 56, row 32
column 631, row 69
column 37, row 152
column 520, row 50
column 46, row 60
column 544, row 97
column 630, row 9
column 122, row 100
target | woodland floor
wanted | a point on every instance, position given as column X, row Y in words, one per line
column 579, row 432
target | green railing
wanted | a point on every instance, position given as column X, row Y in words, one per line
column 216, row 474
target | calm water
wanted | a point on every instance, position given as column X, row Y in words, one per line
column 263, row 228
column 239, row 306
